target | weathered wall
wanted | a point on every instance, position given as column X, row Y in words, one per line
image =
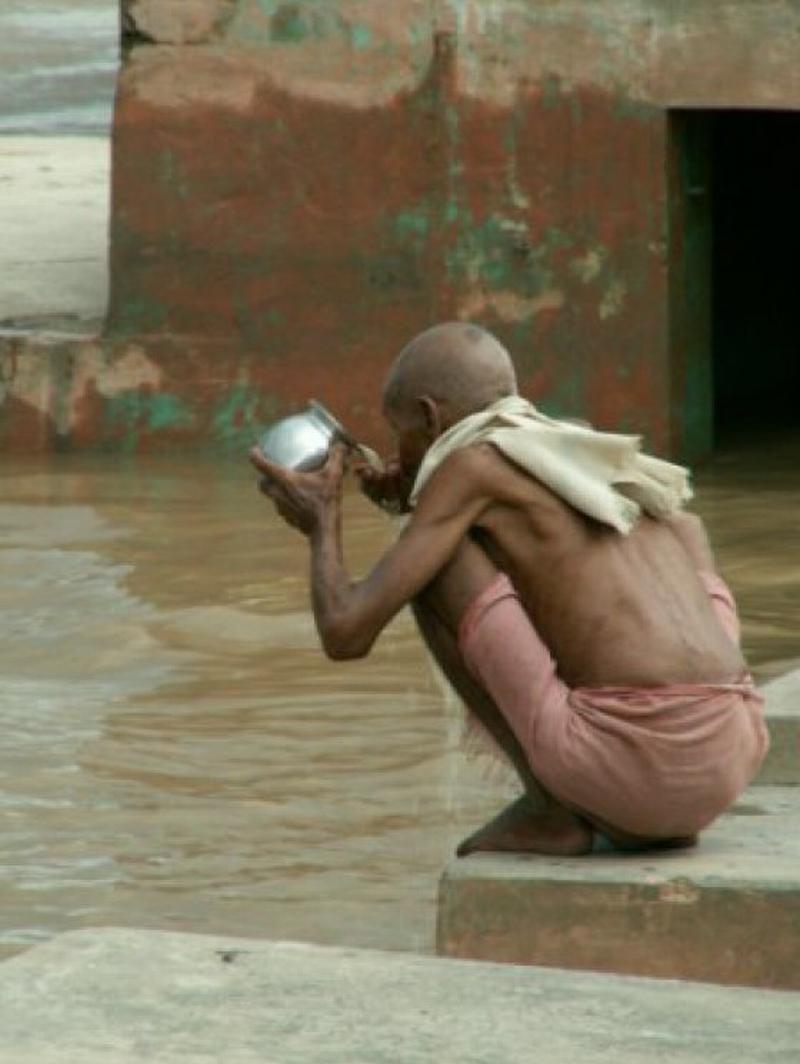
column 301, row 186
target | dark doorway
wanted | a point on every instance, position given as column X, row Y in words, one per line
column 755, row 238
column 734, row 292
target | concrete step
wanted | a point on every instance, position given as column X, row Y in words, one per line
column 782, row 763
column 727, row 912
column 119, row 997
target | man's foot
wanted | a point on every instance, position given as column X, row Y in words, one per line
column 633, row 844
column 522, row 828
column 679, row 842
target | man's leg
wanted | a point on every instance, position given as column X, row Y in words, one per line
column 535, row 822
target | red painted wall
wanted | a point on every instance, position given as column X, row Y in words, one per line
column 301, row 187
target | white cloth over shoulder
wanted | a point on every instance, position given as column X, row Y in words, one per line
column 601, row 474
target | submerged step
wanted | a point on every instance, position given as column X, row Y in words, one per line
column 120, row 996
column 782, row 763
column 726, row 912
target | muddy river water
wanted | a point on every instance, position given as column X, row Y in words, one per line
column 175, row 751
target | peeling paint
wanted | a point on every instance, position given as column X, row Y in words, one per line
column 288, row 23
column 132, row 371
column 240, row 415
column 613, row 300
column 141, row 315
column 350, row 52
column 415, row 223
column 132, row 412
column 361, row 37
column 508, row 306
column 587, row 267
column 207, row 80
column 187, row 22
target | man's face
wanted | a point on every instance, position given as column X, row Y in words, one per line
column 412, row 438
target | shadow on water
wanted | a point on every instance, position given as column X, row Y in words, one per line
column 176, row 751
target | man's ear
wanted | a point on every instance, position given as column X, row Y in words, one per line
column 431, row 415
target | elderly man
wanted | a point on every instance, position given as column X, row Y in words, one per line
column 568, row 599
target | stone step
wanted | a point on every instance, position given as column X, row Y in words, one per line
column 782, row 763
column 120, row 997
column 727, row 912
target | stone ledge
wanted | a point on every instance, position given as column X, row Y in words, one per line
column 782, row 764
column 121, row 996
column 727, row 912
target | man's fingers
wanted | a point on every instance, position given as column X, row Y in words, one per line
column 270, row 469
column 337, row 459
column 278, row 499
column 287, row 514
column 335, row 463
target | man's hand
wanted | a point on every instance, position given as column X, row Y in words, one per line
column 302, row 498
column 388, row 488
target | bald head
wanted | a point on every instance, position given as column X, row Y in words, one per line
column 460, row 366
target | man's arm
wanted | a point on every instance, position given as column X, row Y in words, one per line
column 350, row 615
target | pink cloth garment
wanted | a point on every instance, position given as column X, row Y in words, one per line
column 658, row 762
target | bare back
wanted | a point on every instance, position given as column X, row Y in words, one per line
column 613, row 609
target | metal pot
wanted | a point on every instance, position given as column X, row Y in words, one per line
column 303, row 441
